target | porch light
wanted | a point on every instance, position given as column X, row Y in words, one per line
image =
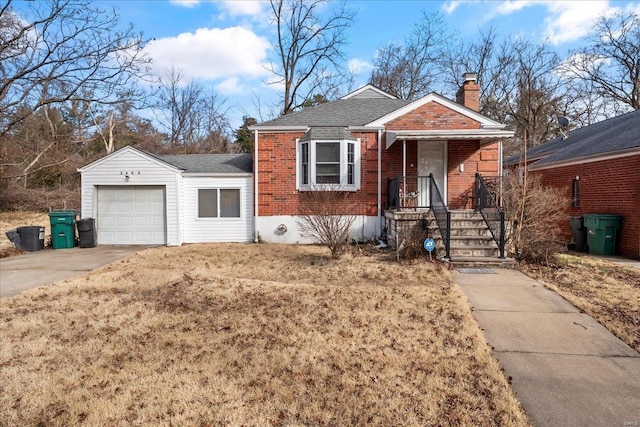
column 461, row 167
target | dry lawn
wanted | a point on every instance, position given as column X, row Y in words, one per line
column 606, row 291
column 254, row 335
column 10, row 220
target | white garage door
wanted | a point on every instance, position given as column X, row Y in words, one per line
column 131, row 216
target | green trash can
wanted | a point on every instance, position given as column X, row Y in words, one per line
column 602, row 233
column 63, row 229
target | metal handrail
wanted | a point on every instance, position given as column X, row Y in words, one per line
column 487, row 204
column 407, row 192
column 441, row 213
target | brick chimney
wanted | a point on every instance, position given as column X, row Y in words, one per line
column 469, row 94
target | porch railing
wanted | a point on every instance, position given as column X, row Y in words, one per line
column 408, row 192
column 443, row 216
column 421, row 192
column 487, row 203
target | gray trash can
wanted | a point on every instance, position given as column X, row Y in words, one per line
column 579, row 233
column 31, row 238
column 14, row 237
column 87, row 235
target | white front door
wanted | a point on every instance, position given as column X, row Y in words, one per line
column 432, row 158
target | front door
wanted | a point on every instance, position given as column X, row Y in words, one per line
column 432, row 159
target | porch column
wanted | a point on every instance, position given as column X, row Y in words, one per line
column 404, row 172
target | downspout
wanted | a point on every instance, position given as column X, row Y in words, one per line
column 500, row 171
column 380, row 182
column 256, row 235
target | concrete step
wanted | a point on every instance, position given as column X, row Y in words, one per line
column 473, row 251
column 461, row 214
column 481, row 262
column 486, row 241
column 467, row 222
column 470, row 231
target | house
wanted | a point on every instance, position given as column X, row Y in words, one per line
column 400, row 160
column 141, row 198
column 598, row 167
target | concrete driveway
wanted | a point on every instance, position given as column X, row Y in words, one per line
column 22, row 272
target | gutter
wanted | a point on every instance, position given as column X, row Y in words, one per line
column 256, row 237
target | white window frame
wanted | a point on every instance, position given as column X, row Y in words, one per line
column 344, row 169
column 218, row 217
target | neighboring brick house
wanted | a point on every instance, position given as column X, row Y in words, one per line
column 598, row 167
column 379, row 148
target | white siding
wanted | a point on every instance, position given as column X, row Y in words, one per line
column 284, row 229
column 142, row 170
column 198, row 230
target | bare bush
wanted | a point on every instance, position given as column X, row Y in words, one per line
column 536, row 213
column 324, row 217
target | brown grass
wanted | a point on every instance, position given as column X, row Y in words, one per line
column 606, row 291
column 250, row 335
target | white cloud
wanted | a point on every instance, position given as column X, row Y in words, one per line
column 450, row 6
column 358, row 66
column 185, row 3
column 212, row 53
column 245, row 7
column 565, row 21
column 511, row 6
column 230, row 86
column 568, row 21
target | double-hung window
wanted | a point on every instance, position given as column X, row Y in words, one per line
column 329, row 164
column 218, row 203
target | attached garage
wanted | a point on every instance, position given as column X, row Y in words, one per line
column 131, row 215
column 139, row 198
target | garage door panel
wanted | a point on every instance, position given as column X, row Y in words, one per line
column 131, row 215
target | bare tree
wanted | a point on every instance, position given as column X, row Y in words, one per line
column 324, row 218
column 410, row 70
column 62, row 50
column 308, row 49
column 610, row 63
column 194, row 118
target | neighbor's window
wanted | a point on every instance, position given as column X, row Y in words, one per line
column 576, row 193
column 218, row 203
column 325, row 163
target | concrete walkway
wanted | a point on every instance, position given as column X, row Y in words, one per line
column 22, row 272
column 566, row 368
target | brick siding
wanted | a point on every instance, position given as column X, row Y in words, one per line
column 277, row 163
column 606, row 187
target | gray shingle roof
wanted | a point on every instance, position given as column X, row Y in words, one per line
column 327, row 134
column 340, row 113
column 209, row 163
column 608, row 136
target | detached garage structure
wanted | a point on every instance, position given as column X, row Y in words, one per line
column 138, row 198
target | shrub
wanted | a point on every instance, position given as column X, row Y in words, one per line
column 323, row 218
column 535, row 212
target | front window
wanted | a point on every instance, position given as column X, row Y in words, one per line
column 328, row 163
column 219, row 203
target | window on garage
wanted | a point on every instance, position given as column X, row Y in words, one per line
column 218, row 203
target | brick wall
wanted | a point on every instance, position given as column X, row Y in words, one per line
column 277, row 175
column 606, row 187
column 432, row 116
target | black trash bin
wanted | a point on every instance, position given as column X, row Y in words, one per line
column 87, row 235
column 579, row 233
column 14, row 237
column 31, row 238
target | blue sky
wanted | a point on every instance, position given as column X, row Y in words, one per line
column 225, row 45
